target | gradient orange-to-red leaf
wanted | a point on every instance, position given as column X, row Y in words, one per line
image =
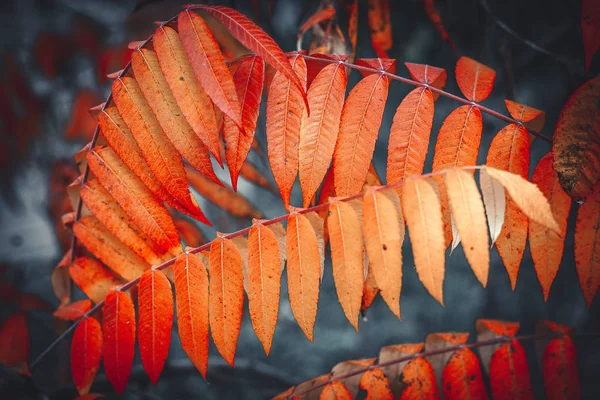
column 335, row 390
column 380, row 26
column 509, row 372
column 222, row 196
column 86, row 353
column 153, row 85
column 576, row 141
column 547, row 246
column 285, row 111
column 457, row 145
column 303, row 271
column 419, row 378
column 252, row 174
column 587, row 246
column 73, row 311
column 469, row 218
column 264, row 282
column 319, row 132
column 321, row 15
column 191, row 288
column 422, row 210
column 189, row 232
column 145, row 209
column 155, row 301
column 409, row 137
column 509, row 151
column 208, row 63
column 434, row 17
column 532, row 118
column 14, row 336
column 158, row 152
column 248, row 80
column 432, row 76
column 590, row 30
column 111, row 215
column 384, row 233
column 475, row 80
column 559, row 368
column 358, row 131
column 106, row 247
column 92, row 278
column 118, row 338
column 226, row 296
column 346, row 241
column 120, row 139
column 376, row 384
column 255, row 39
column 380, row 64
column 462, row 378
column 191, row 98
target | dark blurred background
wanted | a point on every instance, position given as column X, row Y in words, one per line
column 55, row 54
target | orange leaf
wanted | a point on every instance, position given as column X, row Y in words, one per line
column 587, row 246
column 494, row 201
column 155, row 89
column 264, row 277
column 190, row 233
column 424, row 73
column 222, row 196
column 191, row 98
column 380, row 26
column 226, row 298
column 92, row 278
column 370, row 291
column 303, row 271
column 358, row 131
column 251, row 173
column 191, row 287
column 102, row 244
column 81, row 124
column 419, row 379
column 86, row 353
column 576, row 141
column 462, row 378
column 547, row 246
column 457, row 145
column 208, row 63
column 475, row 80
column 421, row 208
column 376, row 384
column 559, row 366
column 158, row 152
column 155, row 321
column 285, row 111
column 381, row 64
column 248, row 80
column 509, row 151
column 321, row 15
column 255, row 39
column 335, row 390
column 531, row 118
column 111, row 215
column 384, row 234
column 469, row 217
column 145, row 210
column 14, row 340
column 345, row 231
column 590, row 30
column 319, row 132
column 73, row 311
column 409, row 137
column 118, row 338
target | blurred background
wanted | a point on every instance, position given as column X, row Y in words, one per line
column 55, row 55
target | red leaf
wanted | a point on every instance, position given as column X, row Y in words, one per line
column 587, row 246
column 462, row 378
column 475, row 80
column 73, row 311
column 86, row 353
column 118, row 338
column 92, row 278
column 434, row 17
column 321, row 15
column 155, row 321
column 255, row 39
column 590, row 29
column 559, row 367
column 380, row 26
column 509, row 373
column 248, row 80
column 14, row 341
column 191, row 287
column 381, row 64
column 376, row 384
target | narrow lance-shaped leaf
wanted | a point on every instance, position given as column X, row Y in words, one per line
column 191, row 288
column 191, row 98
column 155, row 321
column 226, row 296
column 208, row 63
column 494, row 201
column 347, row 257
column 547, row 246
column 358, row 131
column 587, row 246
column 421, row 208
column 285, row 111
column 118, row 338
column 86, row 353
column 248, row 79
column 319, row 132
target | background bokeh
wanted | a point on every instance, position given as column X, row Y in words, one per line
column 54, row 57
